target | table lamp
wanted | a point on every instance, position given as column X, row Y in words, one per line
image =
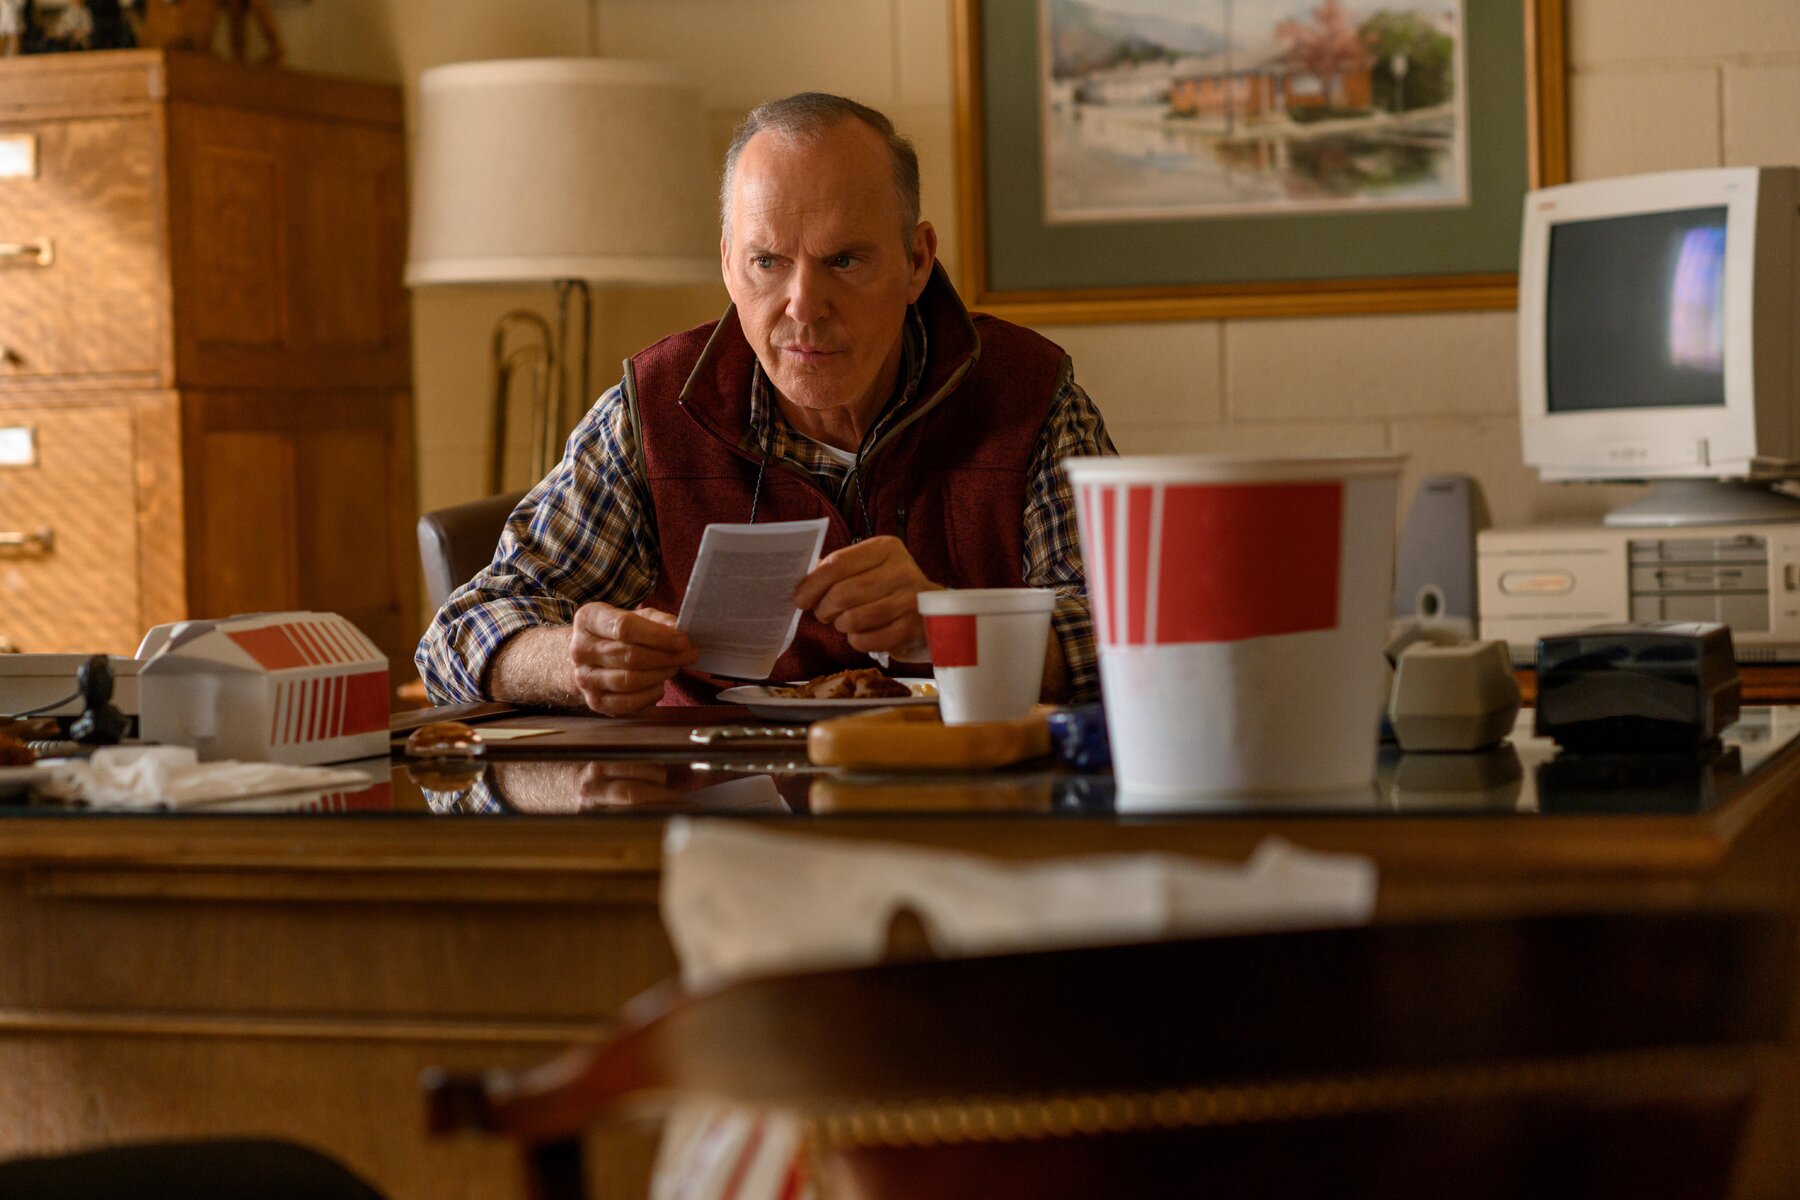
column 562, row 170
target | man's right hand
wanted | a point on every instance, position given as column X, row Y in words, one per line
column 623, row 658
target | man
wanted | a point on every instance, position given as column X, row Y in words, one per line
column 846, row 381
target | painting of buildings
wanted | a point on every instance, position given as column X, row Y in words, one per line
column 1190, row 108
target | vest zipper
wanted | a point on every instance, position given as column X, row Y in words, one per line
column 919, row 410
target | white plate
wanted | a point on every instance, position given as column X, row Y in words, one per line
column 14, row 780
column 757, row 699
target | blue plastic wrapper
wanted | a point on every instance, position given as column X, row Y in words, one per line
column 1078, row 735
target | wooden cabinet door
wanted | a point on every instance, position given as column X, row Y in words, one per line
column 303, row 500
column 287, row 244
column 68, row 529
column 89, row 307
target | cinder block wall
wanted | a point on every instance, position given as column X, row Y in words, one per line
column 1654, row 84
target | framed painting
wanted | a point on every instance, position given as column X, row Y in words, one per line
column 1126, row 160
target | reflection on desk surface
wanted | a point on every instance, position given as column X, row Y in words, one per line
column 1525, row 776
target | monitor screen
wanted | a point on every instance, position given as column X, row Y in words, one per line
column 1635, row 311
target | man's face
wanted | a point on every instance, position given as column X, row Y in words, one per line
column 816, row 263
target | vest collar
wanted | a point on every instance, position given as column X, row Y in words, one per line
column 717, row 390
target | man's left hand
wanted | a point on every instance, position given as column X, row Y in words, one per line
column 869, row 592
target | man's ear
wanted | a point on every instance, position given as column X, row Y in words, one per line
column 924, row 253
column 725, row 258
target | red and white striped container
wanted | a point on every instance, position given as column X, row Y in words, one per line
column 295, row 687
column 1240, row 606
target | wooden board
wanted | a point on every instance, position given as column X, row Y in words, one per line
column 918, row 739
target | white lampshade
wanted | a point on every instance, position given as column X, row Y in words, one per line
column 561, row 168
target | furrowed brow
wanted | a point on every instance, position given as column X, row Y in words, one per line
column 860, row 249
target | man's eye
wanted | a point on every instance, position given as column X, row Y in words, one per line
column 842, row 260
column 763, row 261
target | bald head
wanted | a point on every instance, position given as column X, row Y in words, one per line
column 808, row 118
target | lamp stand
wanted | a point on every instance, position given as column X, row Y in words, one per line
column 544, row 353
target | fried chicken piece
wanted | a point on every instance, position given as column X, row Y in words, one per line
column 864, row 684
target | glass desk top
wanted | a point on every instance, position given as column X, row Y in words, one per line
column 1524, row 776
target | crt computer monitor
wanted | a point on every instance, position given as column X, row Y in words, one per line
column 1659, row 339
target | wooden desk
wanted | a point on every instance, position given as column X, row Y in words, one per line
column 291, row 974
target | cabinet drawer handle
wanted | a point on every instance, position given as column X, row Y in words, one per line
column 40, row 253
column 17, row 544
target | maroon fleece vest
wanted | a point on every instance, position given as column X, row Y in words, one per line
column 950, row 482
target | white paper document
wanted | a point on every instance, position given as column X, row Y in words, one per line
column 739, row 608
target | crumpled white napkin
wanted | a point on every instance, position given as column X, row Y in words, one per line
column 174, row 777
column 741, row 901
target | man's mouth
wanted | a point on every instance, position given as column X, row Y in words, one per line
column 810, row 353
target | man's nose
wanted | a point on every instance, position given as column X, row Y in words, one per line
column 808, row 299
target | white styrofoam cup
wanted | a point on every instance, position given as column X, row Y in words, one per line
column 987, row 650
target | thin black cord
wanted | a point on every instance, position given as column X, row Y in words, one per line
column 44, row 708
column 855, row 476
column 768, row 448
column 862, row 502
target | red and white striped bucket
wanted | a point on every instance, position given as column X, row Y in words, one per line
column 1240, row 606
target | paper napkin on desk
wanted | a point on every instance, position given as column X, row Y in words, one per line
column 740, row 901
column 173, row 777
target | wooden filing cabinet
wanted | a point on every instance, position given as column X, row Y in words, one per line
column 205, row 401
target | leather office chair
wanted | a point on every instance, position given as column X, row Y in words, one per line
column 456, row 542
column 1555, row 1056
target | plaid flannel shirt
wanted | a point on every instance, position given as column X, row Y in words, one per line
column 584, row 534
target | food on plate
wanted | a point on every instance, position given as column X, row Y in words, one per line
column 864, row 684
column 14, row 753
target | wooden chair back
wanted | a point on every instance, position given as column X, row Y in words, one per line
column 1550, row 1056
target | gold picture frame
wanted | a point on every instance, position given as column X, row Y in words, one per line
column 1545, row 149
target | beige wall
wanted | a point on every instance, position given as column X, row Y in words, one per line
column 1653, row 84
